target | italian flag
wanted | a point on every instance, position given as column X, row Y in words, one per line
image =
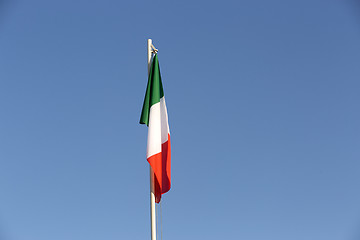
column 154, row 115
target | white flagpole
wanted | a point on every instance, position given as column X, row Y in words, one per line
column 152, row 188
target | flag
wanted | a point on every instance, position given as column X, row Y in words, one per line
column 154, row 115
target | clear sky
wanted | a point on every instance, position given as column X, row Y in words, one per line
column 263, row 102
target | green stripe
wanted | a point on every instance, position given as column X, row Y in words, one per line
column 154, row 90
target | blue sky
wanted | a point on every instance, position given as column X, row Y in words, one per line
column 263, row 102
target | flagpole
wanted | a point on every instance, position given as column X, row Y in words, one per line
column 152, row 188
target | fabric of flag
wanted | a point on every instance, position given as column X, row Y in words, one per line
column 154, row 115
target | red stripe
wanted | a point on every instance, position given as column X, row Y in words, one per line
column 161, row 165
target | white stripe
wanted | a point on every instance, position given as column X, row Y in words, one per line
column 164, row 121
column 158, row 128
